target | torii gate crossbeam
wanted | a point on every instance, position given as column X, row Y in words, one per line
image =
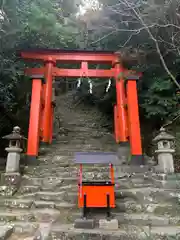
column 126, row 115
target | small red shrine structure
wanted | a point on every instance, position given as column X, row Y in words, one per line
column 96, row 194
column 126, row 114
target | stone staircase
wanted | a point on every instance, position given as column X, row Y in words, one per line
column 45, row 205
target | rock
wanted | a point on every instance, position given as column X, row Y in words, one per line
column 7, row 190
column 5, row 232
column 43, row 231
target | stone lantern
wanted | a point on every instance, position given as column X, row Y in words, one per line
column 14, row 150
column 165, row 150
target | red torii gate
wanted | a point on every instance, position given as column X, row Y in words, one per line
column 126, row 113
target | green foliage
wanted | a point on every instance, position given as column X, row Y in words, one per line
column 46, row 22
column 160, row 99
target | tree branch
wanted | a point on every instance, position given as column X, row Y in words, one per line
column 156, row 43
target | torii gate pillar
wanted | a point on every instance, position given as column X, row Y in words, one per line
column 48, row 112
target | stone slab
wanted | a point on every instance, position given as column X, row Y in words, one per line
column 111, row 224
column 84, row 223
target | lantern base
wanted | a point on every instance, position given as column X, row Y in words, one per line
column 137, row 160
column 11, row 179
column 32, row 160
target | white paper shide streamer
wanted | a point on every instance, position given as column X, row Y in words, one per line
column 108, row 86
column 79, row 83
column 90, row 86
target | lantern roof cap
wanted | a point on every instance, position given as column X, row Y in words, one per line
column 15, row 135
column 163, row 135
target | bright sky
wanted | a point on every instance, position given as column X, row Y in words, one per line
column 1, row 15
column 89, row 5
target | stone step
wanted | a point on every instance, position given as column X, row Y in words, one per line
column 144, row 219
column 35, row 181
column 22, row 227
column 31, row 204
column 63, row 196
column 28, row 189
column 169, row 184
column 130, row 206
column 40, row 233
column 64, row 167
column 33, row 215
column 46, row 215
column 16, row 215
column 65, row 205
column 16, row 203
column 74, row 174
column 149, row 194
column 74, row 187
column 134, row 169
column 69, row 216
column 66, row 170
column 67, row 232
column 50, row 196
column 91, row 145
column 174, row 176
column 60, row 187
column 138, row 219
column 49, row 162
column 139, row 194
column 22, row 236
